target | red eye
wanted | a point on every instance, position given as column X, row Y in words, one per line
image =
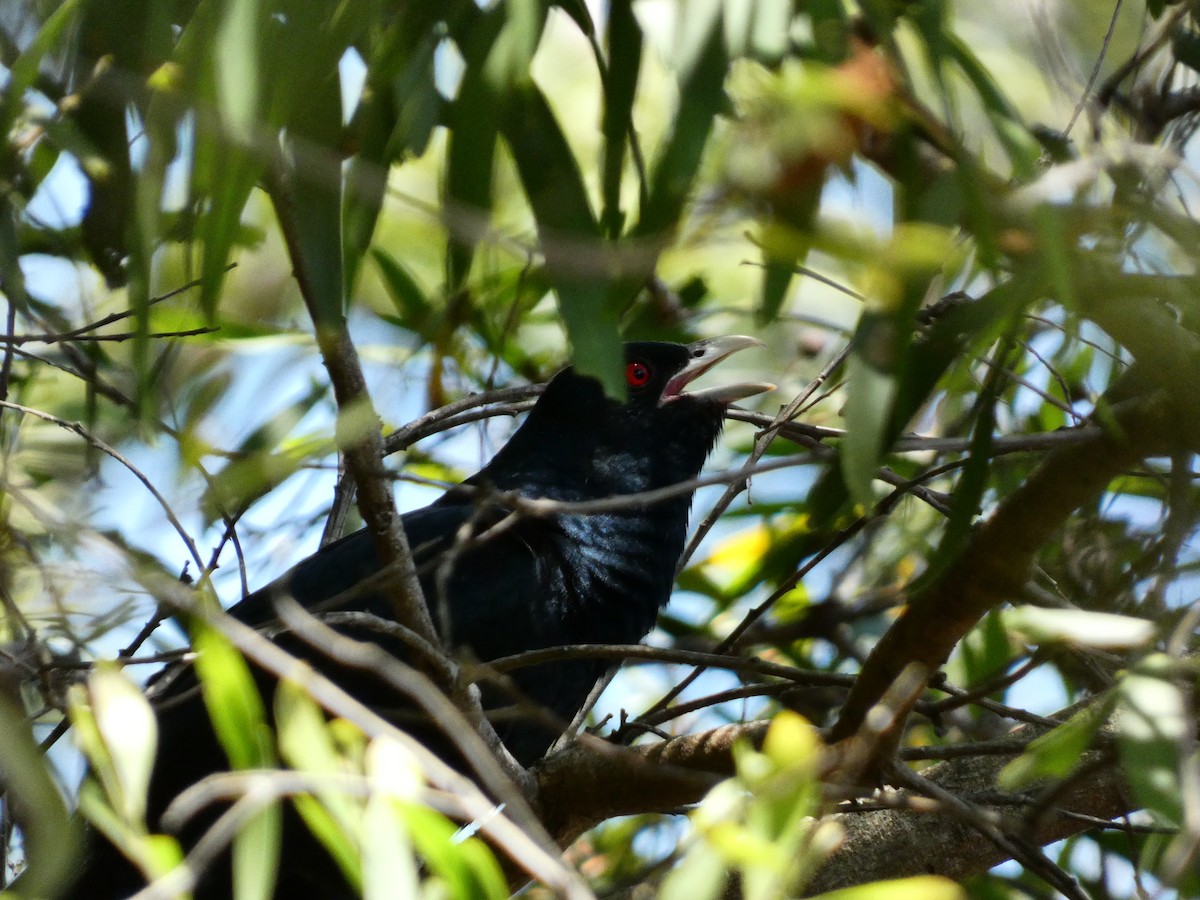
column 637, row 374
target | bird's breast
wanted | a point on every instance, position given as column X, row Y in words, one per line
column 617, row 571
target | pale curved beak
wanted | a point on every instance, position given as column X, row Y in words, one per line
column 703, row 356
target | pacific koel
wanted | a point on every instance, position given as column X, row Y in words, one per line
column 543, row 581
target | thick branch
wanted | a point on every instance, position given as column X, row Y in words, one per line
column 998, row 558
column 591, row 780
column 894, row 843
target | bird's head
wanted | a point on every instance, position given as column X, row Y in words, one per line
column 658, row 373
column 659, row 434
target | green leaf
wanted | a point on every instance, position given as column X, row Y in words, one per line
column 223, row 171
column 256, row 852
column 1055, row 243
column 760, row 822
column 511, row 57
column 232, row 700
column 1130, row 309
column 87, row 737
column 784, row 248
column 468, row 867
column 870, row 396
column 300, row 52
column 830, row 30
column 236, row 711
column 10, row 262
column 307, row 745
column 389, row 868
column 1057, row 753
column 234, row 173
column 154, row 855
column 579, row 13
column 315, row 204
column 474, row 120
column 620, row 86
column 777, row 278
column 700, row 876
column 395, row 117
column 329, row 831
column 973, row 482
column 549, row 173
column 129, row 730
column 366, row 184
column 1152, row 728
column 1078, row 627
column 569, row 235
column 243, row 482
column 498, row 49
column 22, row 71
column 985, row 651
column 792, row 743
column 944, row 343
column 415, row 312
column 880, row 17
column 34, row 802
column 759, row 29
column 236, row 69
column 470, row 158
column 418, row 103
column 265, row 459
column 694, row 34
column 701, row 63
column 389, row 865
column 918, row 887
column 1020, row 145
column 596, row 347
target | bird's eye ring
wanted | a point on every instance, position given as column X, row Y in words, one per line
column 637, row 374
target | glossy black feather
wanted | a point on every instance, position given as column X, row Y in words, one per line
column 545, row 582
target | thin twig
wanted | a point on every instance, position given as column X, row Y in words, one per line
column 1031, row 857
column 1095, row 73
column 100, row 445
column 460, row 412
column 762, row 442
column 992, row 685
column 6, row 367
column 670, row 655
column 51, row 338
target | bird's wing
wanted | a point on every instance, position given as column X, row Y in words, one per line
column 501, row 595
column 491, row 597
column 340, row 567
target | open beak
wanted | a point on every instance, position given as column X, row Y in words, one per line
column 703, row 356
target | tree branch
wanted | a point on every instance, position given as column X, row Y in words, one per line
column 894, row 843
column 592, row 780
column 996, row 561
column 364, row 455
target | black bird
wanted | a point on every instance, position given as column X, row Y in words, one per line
column 544, row 582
